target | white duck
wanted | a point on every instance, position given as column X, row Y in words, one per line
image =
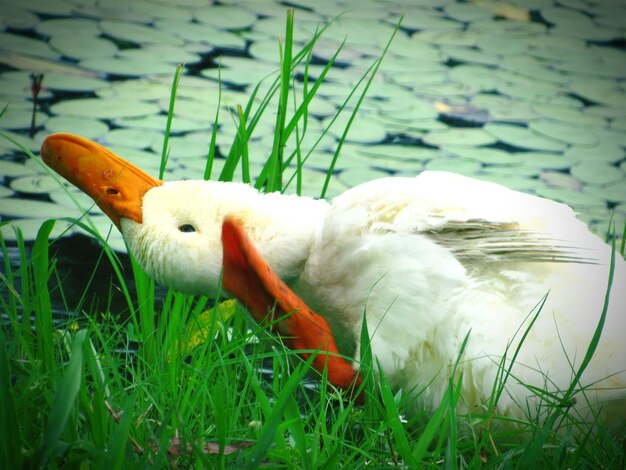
column 427, row 260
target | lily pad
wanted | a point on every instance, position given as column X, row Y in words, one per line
column 128, row 66
column 28, row 208
column 416, row 109
column 555, row 48
column 564, row 16
column 162, row 53
column 603, row 92
column 467, row 12
column 613, row 192
column 140, row 89
column 597, row 173
column 415, row 129
column 578, row 200
column 25, row 45
column 50, row 7
column 459, row 136
column 355, row 176
column 36, row 64
column 12, row 169
column 174, row 11
column 548, row 161
column 158, row 123
column 556, row 179
column 82, row 47
column 191, row 109
column 226, row 16
column 104, row 109
column 449, row 90
column 362, row 130
column 85, row 203
column 504, row 44
column 567, row 133
column 525, row 88
column 203, row 33
column 138, row 34
column 29, row 228
column 519, row 183
column 476, row 75
column 522, row 137
column 619, row 123
column 450, row 38
column 182, row 148
column 519, row 171
column 17, row 118
column 242, row 71
column 135, row 138
column 17, row 18
column 419, row 19
column 34, row 184
column 70, row 27
column 589, row 32
column 503, row 108
column 405, row 167
column 89, row 128
column 5, row 192
column 589, row 67
column 470, row 55
column 30, row 143
column 569, row 115
column 525, row 67
column 465, row 167
column 17, row 93
column 602, row 153
column 395, row 152
column 485, row 155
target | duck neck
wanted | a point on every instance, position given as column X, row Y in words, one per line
column 283, row 229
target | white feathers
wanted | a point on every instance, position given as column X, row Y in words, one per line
column 428, row 259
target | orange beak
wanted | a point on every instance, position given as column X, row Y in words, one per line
column 114, row 184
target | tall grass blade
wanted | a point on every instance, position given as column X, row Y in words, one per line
column 64, row 401
column 117, row 448
column 243, row 140
column 398, row 431
column 168, row 125
column 41, row 296
column 270, row 428
column 276, row 158
column 10, row 445
column 211, row 155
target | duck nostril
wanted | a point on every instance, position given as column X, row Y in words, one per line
column 111, row 191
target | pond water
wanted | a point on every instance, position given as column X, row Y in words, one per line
column 527, row 93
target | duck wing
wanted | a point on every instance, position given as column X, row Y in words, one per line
column 475, row 220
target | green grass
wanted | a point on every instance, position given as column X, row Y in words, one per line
column 193, row 393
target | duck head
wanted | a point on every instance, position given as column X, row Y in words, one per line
column 172, row 228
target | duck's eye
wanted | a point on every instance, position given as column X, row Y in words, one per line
column 187, row 228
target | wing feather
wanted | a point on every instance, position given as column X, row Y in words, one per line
column 476, row 220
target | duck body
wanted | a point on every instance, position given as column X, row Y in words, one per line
column 431, row 259
column 426, row 261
